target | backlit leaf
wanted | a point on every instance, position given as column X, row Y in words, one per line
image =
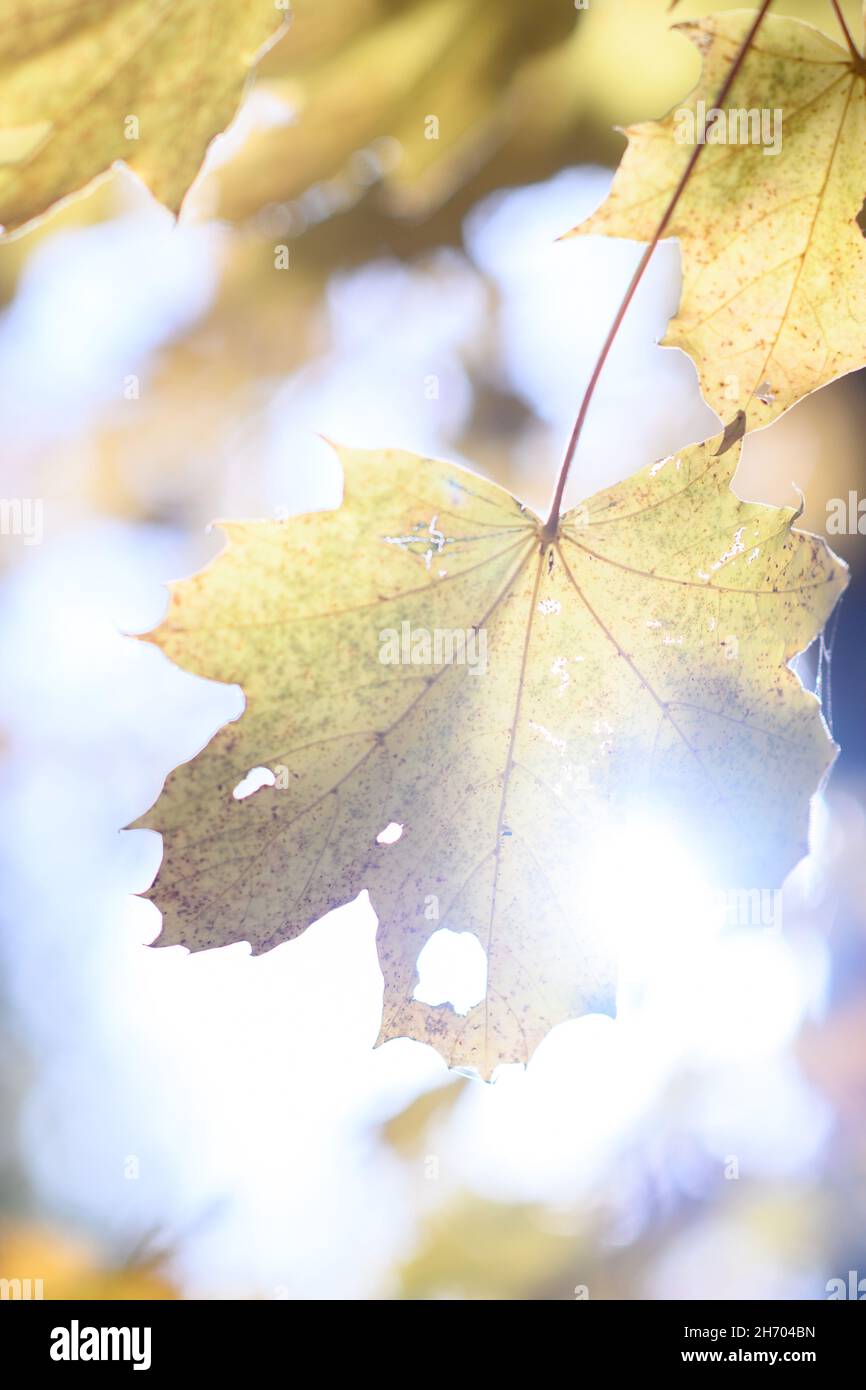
column 86, row 83
column 773, row 300
column 634, row 666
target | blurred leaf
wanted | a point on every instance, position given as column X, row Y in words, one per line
column 417, row 93
column 610, row 651
column 773, row 301
column 70, row 1268
column 407, row 1131
column 478, row 1249
column 150, row 82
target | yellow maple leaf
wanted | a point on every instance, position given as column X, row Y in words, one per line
column 428, row 657
column 150, row 82
column 773, row 300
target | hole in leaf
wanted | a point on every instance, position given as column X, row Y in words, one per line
column 861, row 219
column 390, row 835
column 452, row 968
column 256, row 777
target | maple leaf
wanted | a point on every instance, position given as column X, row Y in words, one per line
column 773, row 300
column 639, row 658
column 150, row 82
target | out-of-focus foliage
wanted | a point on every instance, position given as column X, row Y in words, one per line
column 407, row 1131
column 150, row 82
column 69, row 1267
column 638, row 1237
column 474, row 1248
column 419, row 94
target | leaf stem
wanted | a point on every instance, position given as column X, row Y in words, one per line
column 552, row 522
column 855, row 52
